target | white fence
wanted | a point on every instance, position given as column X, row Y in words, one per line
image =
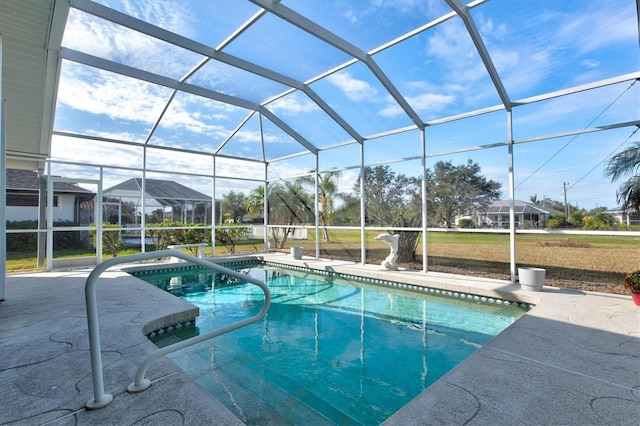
column 257, row 232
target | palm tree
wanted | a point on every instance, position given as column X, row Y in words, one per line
column 289, row 204
column 623, row 164
column 327, row 193
column 254, row 202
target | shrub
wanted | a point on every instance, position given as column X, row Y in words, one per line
column 26, row 242
column 194, row 233
column 111, row 241
column 162, row 238
column 631, row 281
column 556, row 221
column 601, row 221
column 228, row 236
column 22, row 242
column 466, row 223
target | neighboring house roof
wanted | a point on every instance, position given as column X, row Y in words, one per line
column 620, row 209
column 502, row 207
column 28, row 181
column 164, row 192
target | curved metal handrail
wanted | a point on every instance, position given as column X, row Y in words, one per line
column 101, row 399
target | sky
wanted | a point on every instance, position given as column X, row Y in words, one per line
column 536, row 47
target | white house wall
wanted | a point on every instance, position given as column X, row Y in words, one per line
column 62, row 212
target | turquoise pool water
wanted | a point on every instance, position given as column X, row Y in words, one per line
column 330, row 351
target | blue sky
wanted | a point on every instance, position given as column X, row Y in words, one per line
column 537, row 47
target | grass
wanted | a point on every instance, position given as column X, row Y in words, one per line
column 587, row 258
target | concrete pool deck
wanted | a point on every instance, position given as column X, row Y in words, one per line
column 573, row 359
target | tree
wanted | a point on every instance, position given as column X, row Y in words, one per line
column 576, row 218
column 458, row 190
column 254, row 202
column 327, row 193
column 384, row 192
column 288, row 205
column 349, row 212
column 626, row 164
column 233, row 204
column 408, row 240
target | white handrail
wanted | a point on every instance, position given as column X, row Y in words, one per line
column 101, row 399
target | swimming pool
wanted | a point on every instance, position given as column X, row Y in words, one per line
column 330, row 351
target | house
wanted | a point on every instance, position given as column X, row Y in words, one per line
column 527, row 215
column 23, row 193
column 163, row 200
column 626, row 216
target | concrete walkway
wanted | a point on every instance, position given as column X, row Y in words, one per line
column 573, row 359
column 45, row 368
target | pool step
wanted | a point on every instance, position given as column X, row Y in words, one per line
column 245, row 386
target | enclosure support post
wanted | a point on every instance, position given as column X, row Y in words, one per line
column 265, row 212
column 363, row 243
column 425, row 262
column 3, row 191
column 317, row 177
column 143, row 219
column 42, row 218
column 512, row 221
column 49, row 219
column 213, row 207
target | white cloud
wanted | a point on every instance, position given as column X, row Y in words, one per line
column 100, row 92
column 590, row 63
column 431, row 101
column 168, row 14
column 615, row 21
column 123, row 99
column 354, row 89
column 97, row 37
column 293, row 103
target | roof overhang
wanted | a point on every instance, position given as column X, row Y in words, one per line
column 31, row 34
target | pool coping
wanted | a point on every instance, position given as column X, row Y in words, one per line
column 573, row 358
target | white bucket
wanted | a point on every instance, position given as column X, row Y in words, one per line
column 296, row 252
column 531, row 279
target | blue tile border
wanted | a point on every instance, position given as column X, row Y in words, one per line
column 359, row 278
column 413, row 287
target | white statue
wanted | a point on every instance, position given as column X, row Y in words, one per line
column 392, row 240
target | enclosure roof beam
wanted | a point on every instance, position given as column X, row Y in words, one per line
column 323, row 34
column 285, row 127
column 104, row 64
column 211, row 53
column 463, row 12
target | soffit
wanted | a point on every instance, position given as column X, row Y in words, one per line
column 29, row 73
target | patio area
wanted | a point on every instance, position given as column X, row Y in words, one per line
column 573, row 359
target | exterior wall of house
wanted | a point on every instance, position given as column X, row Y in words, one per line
column 528, row 220
column 628, row 218
column 64, row 210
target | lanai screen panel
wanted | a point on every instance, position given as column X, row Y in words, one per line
column 367, row 24
column 440, row 72
column 104, row 104
column 279, row 46
column 544, row 46
column 230, row 78
column 308, row 119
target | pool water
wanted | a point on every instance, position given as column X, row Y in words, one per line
column 329, row 351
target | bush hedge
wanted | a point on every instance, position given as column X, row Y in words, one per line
column 28, row 241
